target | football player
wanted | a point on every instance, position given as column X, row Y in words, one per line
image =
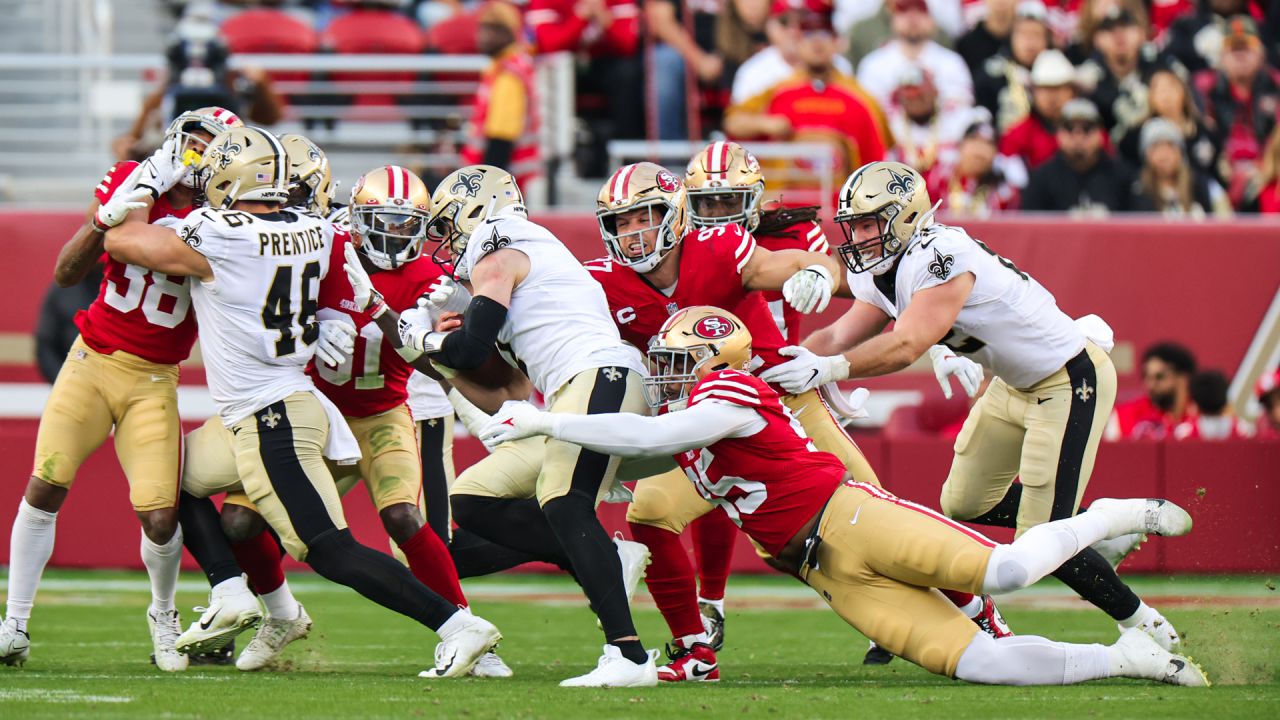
column 121, row 374
column 874, row 558
column 525, row 292
column 260, row 268
column 1042, row 416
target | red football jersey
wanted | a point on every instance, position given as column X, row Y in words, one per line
column 806, row 236
column 770, row 483
column 375, row 378
column 711, row 262
column 139, row 311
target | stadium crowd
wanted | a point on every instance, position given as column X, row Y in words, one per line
column 1081, row 106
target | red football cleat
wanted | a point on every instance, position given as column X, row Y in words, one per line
column 697, row 663
column 990, row 619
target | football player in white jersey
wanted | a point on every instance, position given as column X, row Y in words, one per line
column 529, row 295
column 259, row 269
column 1043, row 415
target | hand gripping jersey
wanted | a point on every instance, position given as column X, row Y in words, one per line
column 139, row 311
column 807, row 236
column 258, row 314
column 558, row 323
column 374, row 378
column 711, row 262
column 770, row 483
column 1010, row 324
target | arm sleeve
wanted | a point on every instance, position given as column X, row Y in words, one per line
column 631, row 435
column 469, row 346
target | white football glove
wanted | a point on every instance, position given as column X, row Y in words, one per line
column 164, row 169
column 807, row 371
column 448, row 296
column 362, row 287
column 1097, row 331
column 809, row 290
column 337, row 341
column 416, row 330
column 946, row 364
column 119, row 206
column 515, row 420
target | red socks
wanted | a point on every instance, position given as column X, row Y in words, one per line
column 259, row 557
column 959, row 599
column 430, row 562
column 670, row 579
column 714, row 535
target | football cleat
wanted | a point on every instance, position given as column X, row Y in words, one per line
column 457, row 654
column 614, row 670
column 227, row 616
column 1117, row 549
column 165, row 628
column 877, row 655
column 15, row 644
column 226, row 655
column 1137, row 655
column 712, row 624
column 696, row 663
column 1138, row 515
column 635, row 558
column 491, row 666
column 271, row 639
column 990, row 619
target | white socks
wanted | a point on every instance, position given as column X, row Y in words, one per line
column 1031, row 660
column 30, row 547
column 456, row 622
column 717, row 604
column 230, row 586
column 1041, row 550
column 163, row 563
column 280, row 603
column 1145, row 614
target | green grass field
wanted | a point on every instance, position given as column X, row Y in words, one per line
column 786, row 656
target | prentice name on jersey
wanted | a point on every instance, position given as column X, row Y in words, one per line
column 287, row 244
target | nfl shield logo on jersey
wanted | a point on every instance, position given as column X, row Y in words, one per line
column 672, row 308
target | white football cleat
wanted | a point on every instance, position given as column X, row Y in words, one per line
column 1117, row 549
column 1142, row 515
column 271, row 639
column 614, row 670
column 635, row 558
column 458, row 653
column 15, row 644
column 165, row 627
column 1137, row 655
column 1159, row 628
column 491, row 666
column 228, row 615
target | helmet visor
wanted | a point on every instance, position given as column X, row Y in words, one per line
column 390, row 237
column 709, row 207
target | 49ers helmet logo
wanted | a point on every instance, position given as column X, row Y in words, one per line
column 667, row 182
column 714, row 327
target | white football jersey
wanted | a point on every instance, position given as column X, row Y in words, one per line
column 1010, row 324
column 427, row 398
column 558, row 323
column 257, row 316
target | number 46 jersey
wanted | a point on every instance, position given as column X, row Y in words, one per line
column 1010, row 323
column 258, row 313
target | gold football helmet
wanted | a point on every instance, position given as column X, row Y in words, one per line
column 463, row 200
column 692, row 343
column 895, row 196
column 310, row 181
column 244, row 163
column 390, row 210
column 649, row 187
column 725, row 186
column 208, row 122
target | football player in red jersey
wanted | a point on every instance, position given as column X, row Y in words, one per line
column 656, row 266
column 875, row 559
column 121, row 373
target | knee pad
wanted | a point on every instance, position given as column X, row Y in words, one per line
column 1005, row 571
column 955, row 505
column 651, row 505
column 468, row 509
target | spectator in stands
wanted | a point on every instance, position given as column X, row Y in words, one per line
column 1168, row 184
column 989, row 36
column 1268, row 392
column 1167, row 368
column 1241, row 100
column 912, row 44
column 1082, row 177
column 867, row 24
column 1034, row 139
column 56, row 328
column 1214, row 419
column 1115, row 78
column 975, row 186
column 503, row 130
column 679, row 54
column 777, row 62
column 1079, row 44
column 740, row 32
column 1002, row 82
column 1194, row 39
column 1262, row 194
column 816, row 104
column 923, row 134
column 1170, row 97
column 605, row 35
